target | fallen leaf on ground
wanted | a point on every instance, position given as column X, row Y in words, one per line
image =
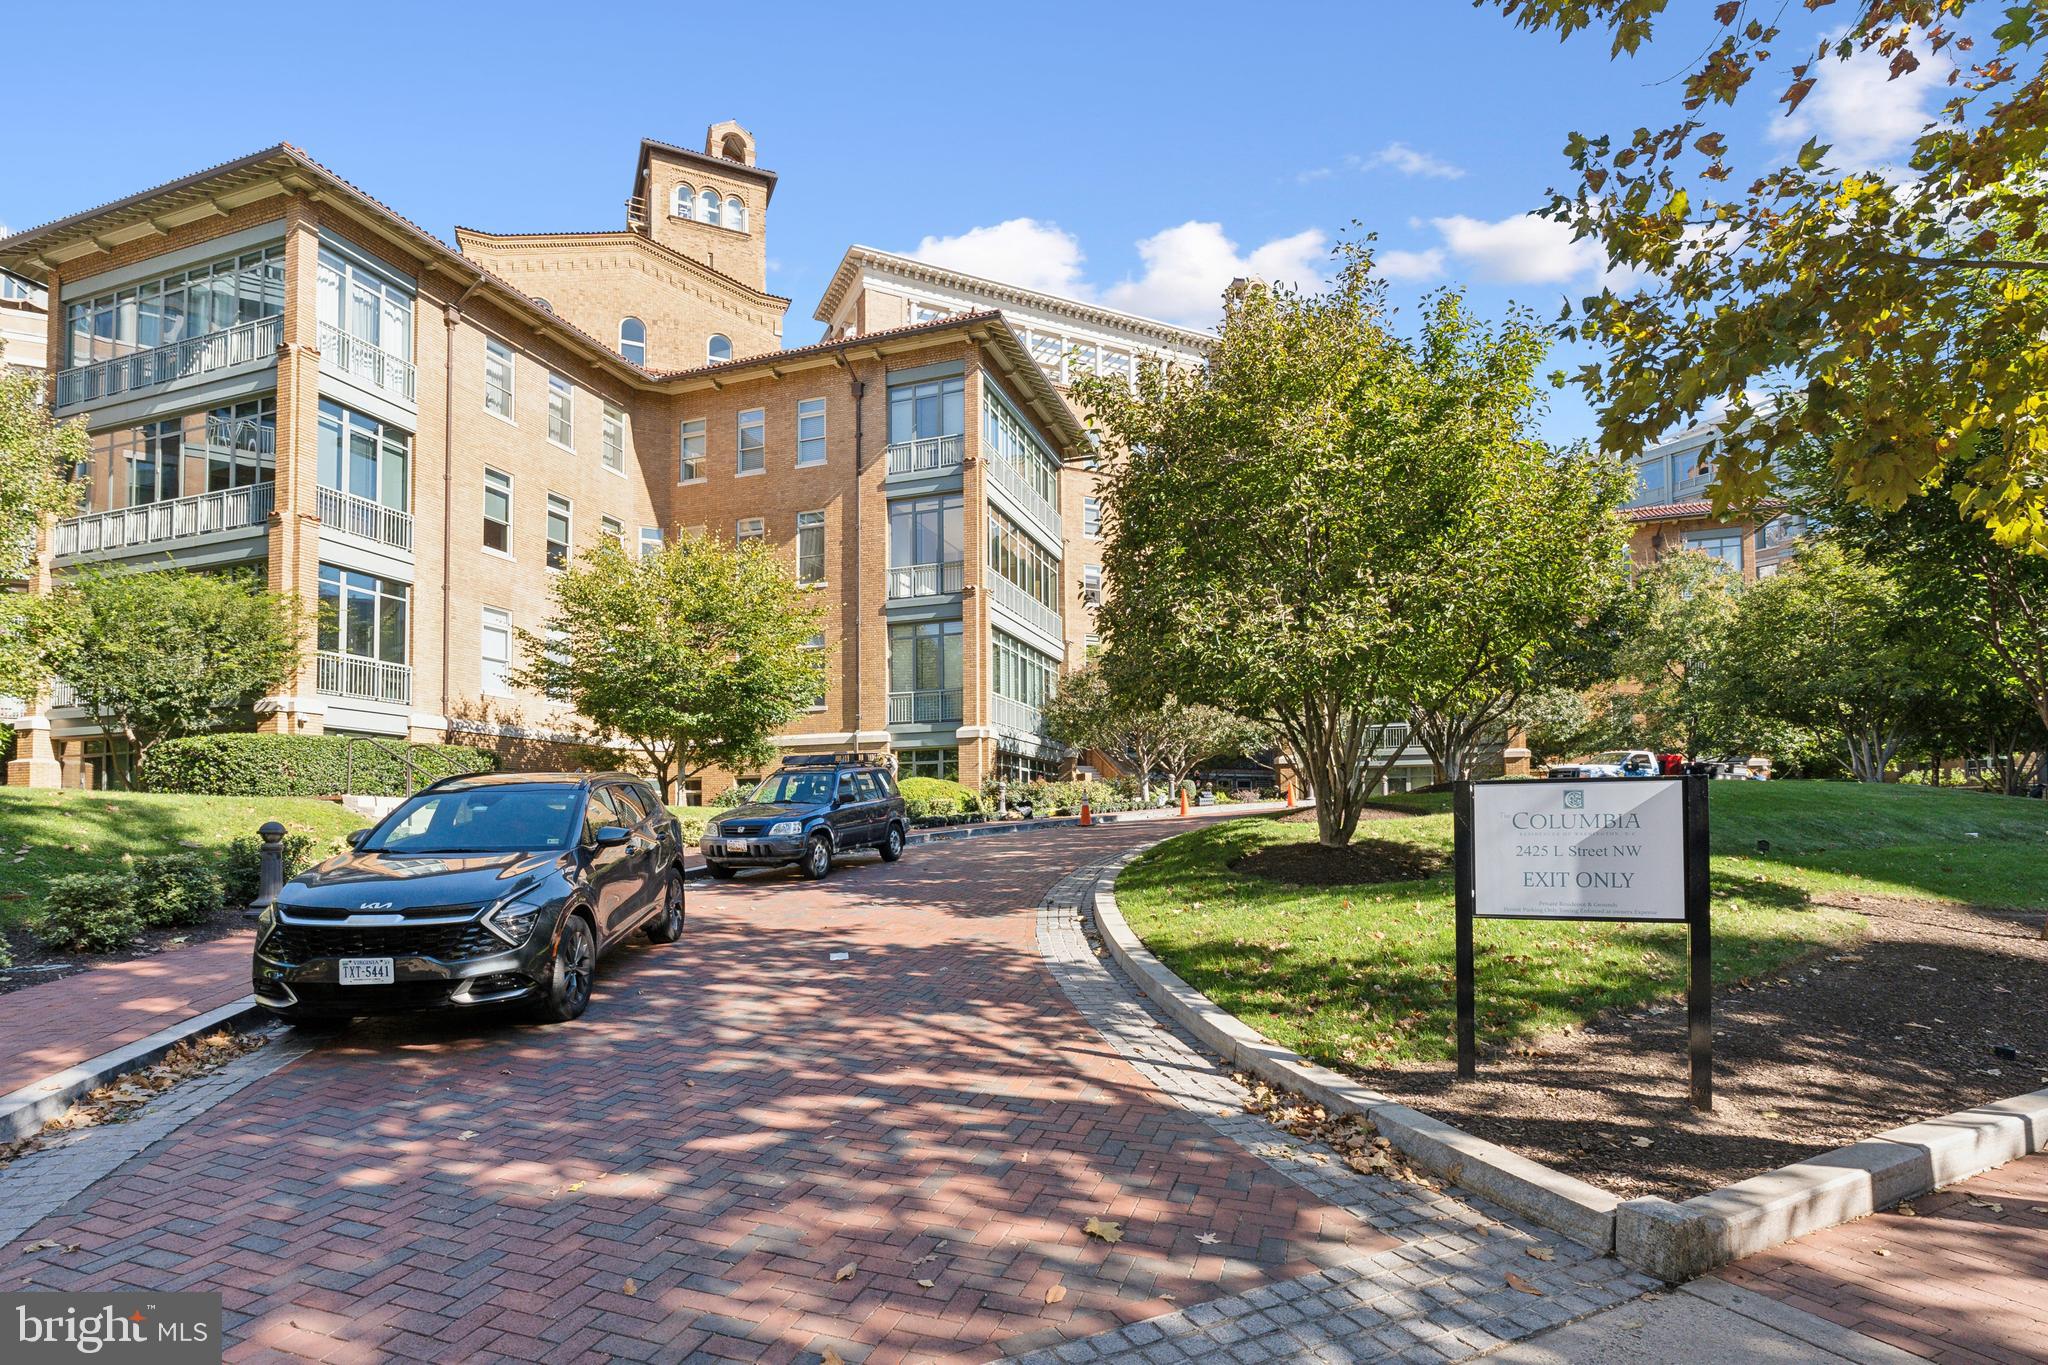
column 1103, row 1229
column 1987, row 1204
column 1056, row 1293
column 1882, row 1252
column 832, row 1357
column 1207, row 1239
column 43, row 1245
column 845, row 1272
column 575, row 1187
column 926, row 1284
column 466, row 1134
column 1540, row 1253
column 1518, row 1283
column 1907, row 1211
column 1640, row 1141
column 631, row 1289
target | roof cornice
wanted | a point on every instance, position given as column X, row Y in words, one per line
column 722, row 165
column 621, row 237
column 858, row 257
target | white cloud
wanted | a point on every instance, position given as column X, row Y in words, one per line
column 1399, row 156
column 1857, row 108
column 1188, row 267
column 1523, row 249
column 1022, row 251
column 1418, row 266
column 1313, row 174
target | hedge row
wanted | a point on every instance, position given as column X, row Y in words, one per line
column 299, row 765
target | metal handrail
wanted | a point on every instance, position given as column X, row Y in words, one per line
column 241, row 344
column 926, row 454
column 926, row 580
column 359, row 359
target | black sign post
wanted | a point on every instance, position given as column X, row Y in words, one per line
column 1555, row 841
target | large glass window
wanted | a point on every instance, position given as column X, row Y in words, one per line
column 929, row 763
column 497, row 511
column 364, row 457
column 1010, row 439
column 558, row 531
column 498, row 374
column 561, row 412
column 362, row 616
column 360, row 303
column 934, row 407
column 614, row 438
column 1650, row 481
column 709, row 205
column 718, row 349
column 231, row 446
column 753, row 441
column 1023, row 561
column 925, row 657
column 925, row 531
column 810, row 547
column 1725, row 546
column 633, row 340
column 1021, row 673
column 691, row 470
column 172, row 308
column 810, row 431
column 496, row 651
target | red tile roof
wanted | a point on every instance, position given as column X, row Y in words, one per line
column 1695, row 508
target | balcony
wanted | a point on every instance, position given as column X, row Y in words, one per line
column 247, row 344
column 933, row 706
column 369, row 366
column 163, row 524
column 1027, row 499
column 926, row 456
column 1025, row 607
column 1019, row 717
column 346, row 675
column 363, row 519
column 907, row 581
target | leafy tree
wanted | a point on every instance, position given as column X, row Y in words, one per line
column 1826, row 643
column 1674, row 630
column 37, row 456
column 1168, row 736
column 694, row 655
column 1927, row 278
column 153, row 655
column 1293, row 523
column 1565, row 722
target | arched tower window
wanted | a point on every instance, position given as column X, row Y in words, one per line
column 682, row 202
column 633, row 340
column 708, row 205
column 718, row 348
column 735, row 213
column 735, row 147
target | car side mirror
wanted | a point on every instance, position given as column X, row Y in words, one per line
column 611, row 836
column 355, row 837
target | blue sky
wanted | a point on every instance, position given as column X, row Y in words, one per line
column 1139, row 154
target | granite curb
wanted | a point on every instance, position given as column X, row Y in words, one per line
column 23, row 1112
column 1675, row 1241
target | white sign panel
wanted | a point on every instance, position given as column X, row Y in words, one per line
column 1579, row 850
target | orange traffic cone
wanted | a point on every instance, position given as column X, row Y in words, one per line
column 1183, row 800
column 1087, row 816
column 1288, row 787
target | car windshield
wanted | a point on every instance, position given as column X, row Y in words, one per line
column 481, row 820
column 795, row 789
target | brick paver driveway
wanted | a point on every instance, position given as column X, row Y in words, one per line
column 752, row 1147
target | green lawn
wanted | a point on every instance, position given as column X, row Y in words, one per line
column 45, row 834
column 1359, row 975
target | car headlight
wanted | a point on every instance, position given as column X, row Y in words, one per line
column 785, row 827
column 512, row 919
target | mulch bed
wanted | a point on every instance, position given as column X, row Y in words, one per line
column 1364, row 861
column 1919, row 1020
column 35, row 962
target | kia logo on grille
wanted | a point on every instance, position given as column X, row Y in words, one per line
column 375, row 905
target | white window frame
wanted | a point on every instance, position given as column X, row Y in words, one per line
column 711, row 357
column 511, row 511
column 749, row 529
column 690, row 434
column 1091, row 509
column 735, row 214
column 495, row 673
column 613, row 453
column 651, row 541
column 810, row 409
column 757, row 420
column 568, row 543
column 641, row 344
column 561, row 391
column 495, row 349
column 682, row 202
column 810, row 521
column 613, row 527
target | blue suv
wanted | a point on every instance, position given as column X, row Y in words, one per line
column 818, row 807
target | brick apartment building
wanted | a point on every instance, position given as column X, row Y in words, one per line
column 281, row 373
column 1669, row 511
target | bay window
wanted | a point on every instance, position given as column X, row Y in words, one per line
column 924, row 671
column 176, row 307
column 363, row 457
column 359, row 303
column 360, row 627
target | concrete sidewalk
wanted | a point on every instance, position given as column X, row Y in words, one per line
column 1707, row 1324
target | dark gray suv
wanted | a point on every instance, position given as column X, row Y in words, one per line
column 818, row 807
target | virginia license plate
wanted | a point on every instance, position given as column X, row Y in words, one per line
column 366, row 971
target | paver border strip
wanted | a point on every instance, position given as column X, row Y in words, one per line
column 23, row 1112
column 1675, row 1241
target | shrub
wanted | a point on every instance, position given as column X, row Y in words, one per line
column 177, row 889
column 732, row 796
column 91, row 912
column 299, row 765
column 935, row 798
column 241, row 866
column 692, row 819
column 1065, row 798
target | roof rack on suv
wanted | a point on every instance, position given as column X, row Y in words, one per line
column 823, row 760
